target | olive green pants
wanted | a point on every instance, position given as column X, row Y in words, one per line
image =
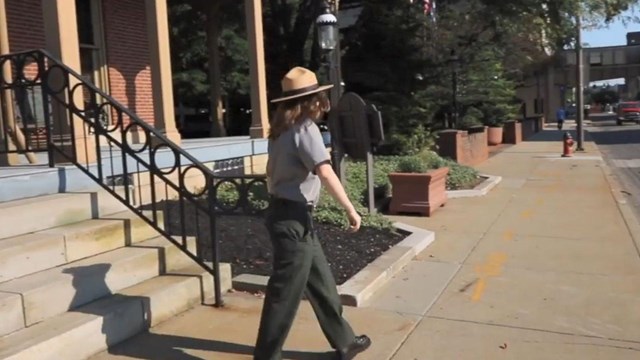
column 299, row 267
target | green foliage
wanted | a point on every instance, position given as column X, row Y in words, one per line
column 407, row 122
column 188, row 52
column 388, row 32
column 412, row 164
column 190, row 55
column 552, row 23
column 472, row 117
column 329, row 211
column 432, row 160
column 235, row 61
column 289, row 29
column 460, row 176
column 486, row 87
column 391, row 32
column 257, row 195
column 227, row 194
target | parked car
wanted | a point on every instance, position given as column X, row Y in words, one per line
column 628, row 112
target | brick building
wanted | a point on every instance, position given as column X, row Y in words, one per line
column 121, row 46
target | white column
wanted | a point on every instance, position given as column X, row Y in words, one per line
column 161, row 76
column 259, row 109
column 61, row 35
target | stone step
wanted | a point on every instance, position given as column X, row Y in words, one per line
column 78, row 334
column 27, row 254
column 43, row 212
column 54, row 291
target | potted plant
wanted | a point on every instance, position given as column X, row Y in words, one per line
column 495, row 132
column 417, row 189
column 496, row 113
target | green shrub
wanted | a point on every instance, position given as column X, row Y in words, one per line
column 257, row 195
column 432, row 160
column 330, row 212
column 460, row 176
column 472, row 117
column 227, row 194
column 412, row 164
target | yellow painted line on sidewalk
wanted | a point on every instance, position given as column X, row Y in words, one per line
column 492, row 267
column 539, row 201
column 527, row 214
column 508, row 235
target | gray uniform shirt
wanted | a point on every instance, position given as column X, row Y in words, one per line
column 293, row 157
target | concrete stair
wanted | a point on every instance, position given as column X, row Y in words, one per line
column 29, row 253
column 90, row 329
column 79, row 274
column 44, row 212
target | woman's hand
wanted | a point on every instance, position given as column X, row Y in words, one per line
column 354, row 221
column 333, row 185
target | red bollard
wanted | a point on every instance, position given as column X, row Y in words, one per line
column 567, row 145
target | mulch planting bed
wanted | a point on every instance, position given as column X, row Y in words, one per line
column 244, row 242
column 472, row 185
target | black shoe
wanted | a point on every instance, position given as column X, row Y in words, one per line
column 360, row 344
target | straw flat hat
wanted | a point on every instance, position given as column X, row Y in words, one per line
column 299, row 82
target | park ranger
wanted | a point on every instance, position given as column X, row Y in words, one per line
column 298, row 165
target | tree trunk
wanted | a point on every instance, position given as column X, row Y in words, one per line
column 214, row 28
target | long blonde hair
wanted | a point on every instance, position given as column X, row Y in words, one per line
column 294, row 111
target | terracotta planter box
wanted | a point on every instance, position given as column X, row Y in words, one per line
column 418, row 193
column 494, row 135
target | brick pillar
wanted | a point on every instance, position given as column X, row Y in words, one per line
column 449, row 143
column 161, row 80
column 61, row 35
column 259, row 110
column 512, row 132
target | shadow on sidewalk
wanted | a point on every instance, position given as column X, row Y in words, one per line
column 616, row 137
column 125, row 316
column 169, row 347
column 551, row 135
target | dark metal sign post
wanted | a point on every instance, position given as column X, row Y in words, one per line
column 359, row 130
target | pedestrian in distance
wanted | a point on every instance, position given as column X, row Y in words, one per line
column 560, row 116
column 297, row 166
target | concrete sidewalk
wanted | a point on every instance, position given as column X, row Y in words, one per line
column 543, row 267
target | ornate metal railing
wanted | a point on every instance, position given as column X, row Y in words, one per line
column 163, row 184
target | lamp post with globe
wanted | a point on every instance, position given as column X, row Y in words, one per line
column 329, row 42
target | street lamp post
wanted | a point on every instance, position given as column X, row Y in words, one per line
column 579, row 85
column 329, row 42
column 454, row 88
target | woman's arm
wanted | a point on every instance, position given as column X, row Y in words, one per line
column 333, row 185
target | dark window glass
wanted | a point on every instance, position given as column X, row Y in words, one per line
column 85, row 22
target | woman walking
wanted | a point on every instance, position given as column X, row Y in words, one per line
column 298, row 165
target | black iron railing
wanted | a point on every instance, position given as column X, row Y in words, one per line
column 163, row 184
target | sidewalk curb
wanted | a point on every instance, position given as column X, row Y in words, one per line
column 481, row 189
column 359, row 288
column 626, row 211
column 628, row 215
